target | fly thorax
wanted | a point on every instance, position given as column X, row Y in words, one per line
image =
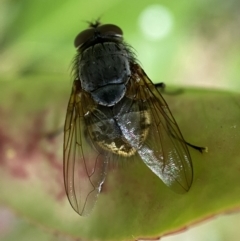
column 104, row 72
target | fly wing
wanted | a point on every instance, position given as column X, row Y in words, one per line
column 164, row 151
column 85, row 167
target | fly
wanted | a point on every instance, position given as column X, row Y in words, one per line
column 115, row 113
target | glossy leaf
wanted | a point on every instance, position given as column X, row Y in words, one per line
column 31, row 166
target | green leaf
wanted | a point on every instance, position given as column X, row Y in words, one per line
column 134, row 202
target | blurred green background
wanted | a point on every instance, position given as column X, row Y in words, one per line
column 191, row 43
column 180, row 43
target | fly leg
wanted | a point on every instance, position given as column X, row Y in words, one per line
column 162, row 88
column 52, row 134
column 198, row 148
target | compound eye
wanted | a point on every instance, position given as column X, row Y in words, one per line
column 110, row 29
column 83, row 37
